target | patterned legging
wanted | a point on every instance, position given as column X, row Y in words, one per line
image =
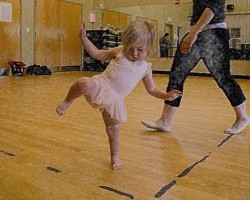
column 212, row 46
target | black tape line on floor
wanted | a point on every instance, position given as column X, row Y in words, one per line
column 165, row 189
column 7, row 153
column 225, row 140
column 187, row 170
column 116, row 191
column 53, row 169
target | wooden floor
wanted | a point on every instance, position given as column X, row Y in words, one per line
column 46, row 157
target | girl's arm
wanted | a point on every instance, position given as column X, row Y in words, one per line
column 189, row 40
column 153, row 90
column 98, row 54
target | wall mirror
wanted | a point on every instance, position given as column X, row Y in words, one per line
column 174, row 19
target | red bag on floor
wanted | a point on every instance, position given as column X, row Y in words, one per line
column 17, row 68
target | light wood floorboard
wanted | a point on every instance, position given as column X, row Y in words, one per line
column 34, row 141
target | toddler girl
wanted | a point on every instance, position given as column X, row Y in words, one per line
column 108, row 89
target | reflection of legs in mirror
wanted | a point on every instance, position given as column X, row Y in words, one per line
column 113, row 132
column 163, row 123
column 81, row 87
column 242, row 120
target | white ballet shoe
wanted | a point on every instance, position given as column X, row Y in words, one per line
column 154, row 125
column 236, row 130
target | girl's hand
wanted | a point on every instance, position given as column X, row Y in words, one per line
column 187, row 43
column 82, row 33
column 173, row 94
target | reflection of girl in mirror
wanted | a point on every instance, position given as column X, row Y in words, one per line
column 208, row 39
column 107, row 90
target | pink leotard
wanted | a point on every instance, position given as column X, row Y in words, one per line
column 117, row 81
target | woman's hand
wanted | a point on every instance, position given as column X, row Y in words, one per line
column 187, row 43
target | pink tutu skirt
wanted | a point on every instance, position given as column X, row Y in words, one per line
column 105, row 98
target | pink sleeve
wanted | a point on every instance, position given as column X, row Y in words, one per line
column 149, row 70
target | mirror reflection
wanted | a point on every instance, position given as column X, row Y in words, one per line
column 173, row 19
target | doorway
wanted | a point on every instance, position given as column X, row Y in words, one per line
column 10, row 32
column 57, row 29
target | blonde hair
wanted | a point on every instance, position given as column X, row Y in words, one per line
column 139, row 32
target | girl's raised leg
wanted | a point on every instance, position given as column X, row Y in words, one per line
column 81, row 87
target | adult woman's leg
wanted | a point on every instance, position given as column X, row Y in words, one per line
column 242, row 120
column 217, row 60
column 113, row 132
column 182, row 66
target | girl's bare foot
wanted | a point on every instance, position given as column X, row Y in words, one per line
column 116, row 165
column 63, row 107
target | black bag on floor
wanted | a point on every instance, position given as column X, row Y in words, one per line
column 38, row 70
